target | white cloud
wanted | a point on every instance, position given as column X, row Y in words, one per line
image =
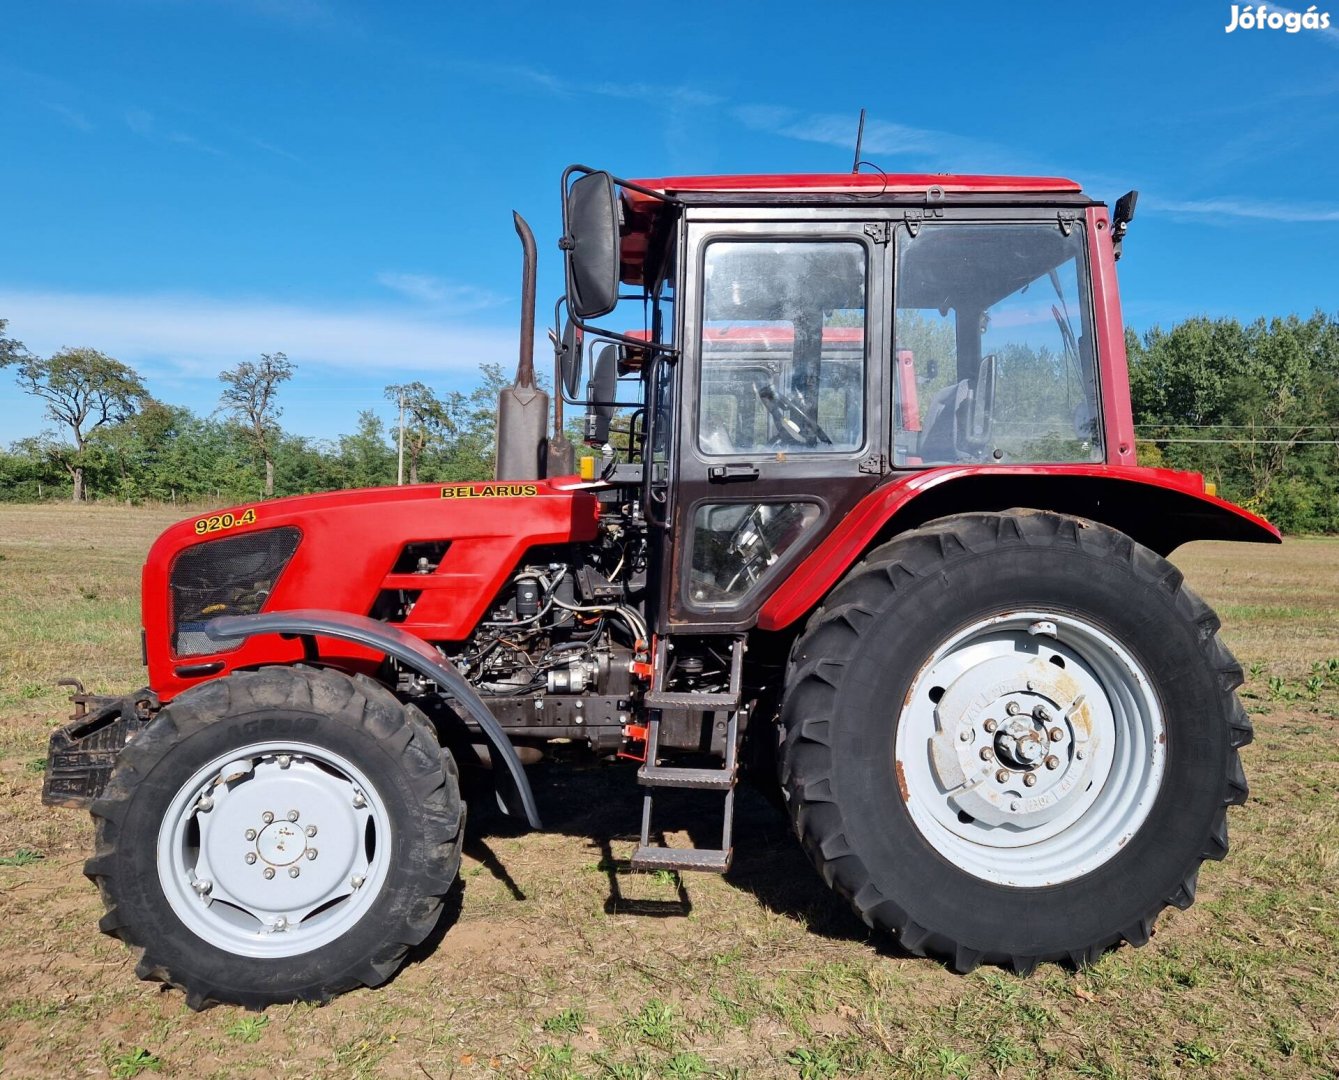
column 186, row 336
column 73, row 117
column 894, row 141
column 1234, row 207
column 446, row 296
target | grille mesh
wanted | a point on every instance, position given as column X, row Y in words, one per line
column 230, row 576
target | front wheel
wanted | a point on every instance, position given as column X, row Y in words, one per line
column 278, row 835
column 1012, row 738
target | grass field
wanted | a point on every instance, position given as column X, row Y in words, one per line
column 559, row 966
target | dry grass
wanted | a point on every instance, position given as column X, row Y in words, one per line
column 761, row 973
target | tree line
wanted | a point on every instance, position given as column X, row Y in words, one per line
column 113, row 440
column 1255, row 407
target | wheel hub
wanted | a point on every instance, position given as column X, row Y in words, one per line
column 993, row 743
column 281, row 843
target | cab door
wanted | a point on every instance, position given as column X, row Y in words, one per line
column 781, row 383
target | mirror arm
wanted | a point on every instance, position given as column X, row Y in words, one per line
column 613, row 335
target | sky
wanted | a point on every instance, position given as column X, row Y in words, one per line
column 190, row 183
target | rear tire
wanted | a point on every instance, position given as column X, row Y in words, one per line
column 278, row 835
column 960, row 660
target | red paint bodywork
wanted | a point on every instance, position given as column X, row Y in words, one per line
column 350, row 543
column 811, row 579
column 860, row 183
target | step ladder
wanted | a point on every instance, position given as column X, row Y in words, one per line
column 653, row 775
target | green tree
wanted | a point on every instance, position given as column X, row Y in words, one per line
column 10, row 350
column 83, row 390
column 427, row 420
column 249, row 394
column 366, row 460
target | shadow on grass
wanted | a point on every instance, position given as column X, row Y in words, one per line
column 602, row 804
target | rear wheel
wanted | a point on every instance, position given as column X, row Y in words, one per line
column 1012, row 738
column 278, row 835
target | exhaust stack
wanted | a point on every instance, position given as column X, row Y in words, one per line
column 523, row 408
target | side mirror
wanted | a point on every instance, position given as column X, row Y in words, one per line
column 603, row 387
column 569, row 358
column 1121, row 218
column 983, row 403
column 591, row 245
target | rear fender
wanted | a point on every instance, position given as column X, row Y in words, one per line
column 517, row 799
column 1159, row 508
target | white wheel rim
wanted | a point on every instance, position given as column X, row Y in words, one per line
column 1040, row 695
column 274, row 849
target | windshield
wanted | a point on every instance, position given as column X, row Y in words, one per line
column 993, row 346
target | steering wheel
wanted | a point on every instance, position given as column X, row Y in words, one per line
column 792, row 423
column 751, row 545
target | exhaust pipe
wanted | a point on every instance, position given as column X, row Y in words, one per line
column 523, row 408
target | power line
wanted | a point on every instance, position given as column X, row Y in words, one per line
column 1241, row 427
column 1245, row 442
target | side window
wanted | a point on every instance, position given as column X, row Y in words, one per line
column 992, row 346
column 734, row 544
column 783, row 347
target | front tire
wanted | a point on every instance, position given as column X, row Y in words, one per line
column 1012, row 738
column 278, row 835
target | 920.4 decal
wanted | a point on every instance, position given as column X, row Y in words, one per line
column 218, row 522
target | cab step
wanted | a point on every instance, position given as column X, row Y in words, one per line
column 653, row 775
column 695, row 779
column 656, row 857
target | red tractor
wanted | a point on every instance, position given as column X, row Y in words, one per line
column 865, row 503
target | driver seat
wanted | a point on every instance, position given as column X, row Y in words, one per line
column 946, row 415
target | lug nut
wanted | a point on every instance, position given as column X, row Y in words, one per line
column 1055, row 734
column 206, row 803
column 311, row 854
column 985, row 753
column 250, row 857
column 250, row 834
column 1002, row 776
column 964, row 736
column 204, row 888
column 990, row 725
column 269, row 872
column 1052, row 762
column 281, row 923
column 285, row 760
column 311, row 830
column 1012, row 708
column 357, row 881
column 292, row 815
column 267, row 817
column 293, row 871
column 1030, row 779
column 359, row 800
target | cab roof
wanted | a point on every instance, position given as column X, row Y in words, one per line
column 645, row 212
column 854, row 183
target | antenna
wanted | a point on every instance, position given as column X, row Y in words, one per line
column 859, row 141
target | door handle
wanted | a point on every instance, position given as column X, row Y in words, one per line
column 725, row 474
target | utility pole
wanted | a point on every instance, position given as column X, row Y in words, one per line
column 399, row 473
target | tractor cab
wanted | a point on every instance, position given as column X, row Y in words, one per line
column 808, row 339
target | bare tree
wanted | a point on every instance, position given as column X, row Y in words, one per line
column 427, row 417
column 83, row 390
column 249, row 395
